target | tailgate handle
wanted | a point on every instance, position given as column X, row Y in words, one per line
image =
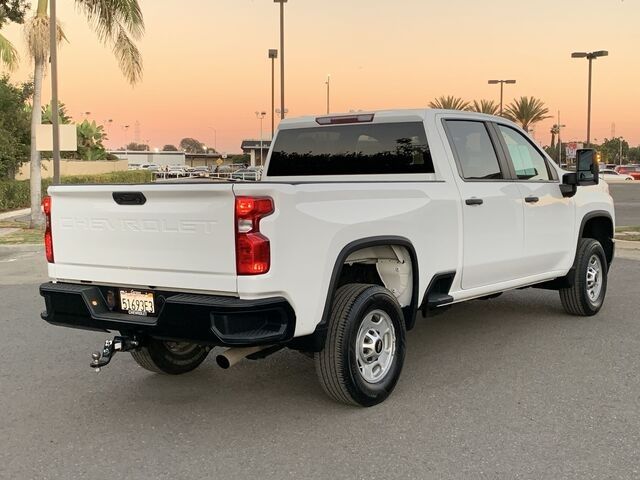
column 129, row 198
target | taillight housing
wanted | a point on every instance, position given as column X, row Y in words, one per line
column 48, row 237
column 253, row 250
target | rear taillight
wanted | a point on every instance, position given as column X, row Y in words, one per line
column 48, row 238
column 253, row 251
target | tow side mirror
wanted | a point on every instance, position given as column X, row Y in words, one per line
column 587, row 168
column 587, row 173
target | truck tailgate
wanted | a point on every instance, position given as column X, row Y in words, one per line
column 181, row 237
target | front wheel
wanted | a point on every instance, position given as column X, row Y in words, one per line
column 173, row 358
column 364, row 351
column 589, row 284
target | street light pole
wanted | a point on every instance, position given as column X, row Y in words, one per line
column 55, row 110
column 328, row 82
column 591, row 56
column 282, row 109
column 273, row 54
column 501, row 82
column 260, row 116
column 560, row 127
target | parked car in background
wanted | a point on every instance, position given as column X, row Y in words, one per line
column 200, row 172
column 177, row 171
column 632, row 170
column 611, row 176
column 152, row 167
column 252, row 174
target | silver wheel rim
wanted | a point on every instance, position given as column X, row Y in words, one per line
column 594, row 278
column 180, row 348
column 375, row 346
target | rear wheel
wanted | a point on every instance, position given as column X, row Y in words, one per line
column 173, row 358
column 363, row 355
column 586, row 295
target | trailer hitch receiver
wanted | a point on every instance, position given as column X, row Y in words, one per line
column 118, row 344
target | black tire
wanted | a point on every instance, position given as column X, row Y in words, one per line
column 576, row 299
column 337, row 365
column 173, row 358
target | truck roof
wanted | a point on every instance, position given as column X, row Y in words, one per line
column 381, row 116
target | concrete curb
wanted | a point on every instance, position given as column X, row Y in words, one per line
column 627, row 245
column 25, row 247
column 15, row 213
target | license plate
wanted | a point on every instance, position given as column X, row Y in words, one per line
column 137, row 303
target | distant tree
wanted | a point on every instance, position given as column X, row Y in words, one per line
column 555, row 130
column 15, row 135
column 485, row 106
column 526, row 111
column 138, row 147
column 610, row 150
column 169, row 148
column 63, row 116
column 449, row 103
column 633, row 155
column 90, row 141
column 191, row 145
column 13, row 11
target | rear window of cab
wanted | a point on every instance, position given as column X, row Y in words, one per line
column 358, row 149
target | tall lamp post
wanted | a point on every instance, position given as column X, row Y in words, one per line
column 215, row 138
column 282, row 109
column 501, row 82
column 260, row 116
column 560, row 127
column 328, row 83
column 273, row 54
column 591, row 56
column 55, row 110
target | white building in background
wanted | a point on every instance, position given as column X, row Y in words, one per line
column 161, row 159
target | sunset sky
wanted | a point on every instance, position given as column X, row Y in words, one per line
column 206, row 65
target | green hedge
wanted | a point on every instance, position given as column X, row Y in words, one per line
column 14, row 194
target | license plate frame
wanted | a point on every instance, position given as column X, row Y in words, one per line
column 143, row 302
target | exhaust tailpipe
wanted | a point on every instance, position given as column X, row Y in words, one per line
column 231, row 356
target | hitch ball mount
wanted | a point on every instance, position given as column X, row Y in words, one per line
column 111, row 347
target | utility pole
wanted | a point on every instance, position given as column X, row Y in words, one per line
column 282, row 109
column 328, row 83
column 501, row 82
column 55, row 110
column 273, row 54
column 591, row 56
column 260, row 116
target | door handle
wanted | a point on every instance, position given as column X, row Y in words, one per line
column 531, row 199
column 474, row 201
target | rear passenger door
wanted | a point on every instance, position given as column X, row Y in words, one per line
column 492, row 205
column 549, row 218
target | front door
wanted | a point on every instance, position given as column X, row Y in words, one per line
column 549, row 218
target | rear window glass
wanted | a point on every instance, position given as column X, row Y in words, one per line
column 360, row 149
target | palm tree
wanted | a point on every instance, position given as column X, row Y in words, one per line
column 8, row 53
column 555, row 130
column 485, row 106
column 117, row 23
column 449, row 103
column 526, row 111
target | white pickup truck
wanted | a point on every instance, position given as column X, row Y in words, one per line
column 359, row 222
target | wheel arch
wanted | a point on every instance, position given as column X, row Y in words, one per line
column 599, row 225
column 315, row 341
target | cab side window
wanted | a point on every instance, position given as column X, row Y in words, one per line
column 528, row 162
column 477, row 159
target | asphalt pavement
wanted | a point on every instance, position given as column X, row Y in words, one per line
column 626, row 198
column 506, row 388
